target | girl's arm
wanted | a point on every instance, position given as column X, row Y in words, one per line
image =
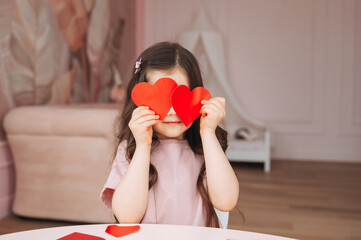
column 130, row 198
column 223, row 187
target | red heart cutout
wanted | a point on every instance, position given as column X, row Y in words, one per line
column 119, row 231
column 80, row 236
column 156, row 97
column 187, row 104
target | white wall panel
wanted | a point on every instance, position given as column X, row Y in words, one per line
column 294, row 64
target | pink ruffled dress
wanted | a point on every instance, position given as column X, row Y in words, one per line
column 174, row 199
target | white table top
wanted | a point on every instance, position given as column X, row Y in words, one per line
column 147, row 231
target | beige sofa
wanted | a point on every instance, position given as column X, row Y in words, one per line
column 62, row 156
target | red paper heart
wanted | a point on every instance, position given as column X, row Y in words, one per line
column 156, row 97
column 119, row 231
column 80, row 236
column 187, row 104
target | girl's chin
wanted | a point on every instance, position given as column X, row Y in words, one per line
column 170, row 130
column 170, row 136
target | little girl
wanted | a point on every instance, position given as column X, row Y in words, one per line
column 163, row 171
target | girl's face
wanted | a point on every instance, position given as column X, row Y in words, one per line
column 171, row 126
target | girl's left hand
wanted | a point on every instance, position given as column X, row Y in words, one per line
column 212, row 113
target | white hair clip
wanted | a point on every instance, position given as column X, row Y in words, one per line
column 137, row 65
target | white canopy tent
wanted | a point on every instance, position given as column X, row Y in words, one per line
column 207, row 45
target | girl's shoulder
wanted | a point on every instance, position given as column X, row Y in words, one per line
column 121, row 151
column 122, row 145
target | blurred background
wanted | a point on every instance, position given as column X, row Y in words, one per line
column 290, row 70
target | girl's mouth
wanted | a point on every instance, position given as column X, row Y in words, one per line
column 172, row 123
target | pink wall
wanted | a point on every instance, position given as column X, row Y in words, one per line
column 292, row 64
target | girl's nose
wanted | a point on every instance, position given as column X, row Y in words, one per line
column 171, row 111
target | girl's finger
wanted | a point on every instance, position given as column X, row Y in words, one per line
column 209, row 109
column 204, row 102
column 141, row 113
column 140, row 108
column 146, row 118
column 220, row 102
column 150, row 123
column 215, row 106
column 213, row 110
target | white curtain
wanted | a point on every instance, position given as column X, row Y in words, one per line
column 207, row 45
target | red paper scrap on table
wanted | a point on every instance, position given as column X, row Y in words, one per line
column 119, row 231
column 187, row 104
column 80, row 236
column 156, row 97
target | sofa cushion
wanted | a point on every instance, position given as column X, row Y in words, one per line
column 62, row 156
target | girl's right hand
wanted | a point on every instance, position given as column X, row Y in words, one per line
column 141, row 125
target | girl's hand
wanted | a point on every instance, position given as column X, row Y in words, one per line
column 213, row 111
column 141, row 125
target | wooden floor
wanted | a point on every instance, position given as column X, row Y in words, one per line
column 304, row 200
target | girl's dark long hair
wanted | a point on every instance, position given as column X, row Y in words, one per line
column 165, row 56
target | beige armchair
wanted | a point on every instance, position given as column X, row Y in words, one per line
column 62, row 156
